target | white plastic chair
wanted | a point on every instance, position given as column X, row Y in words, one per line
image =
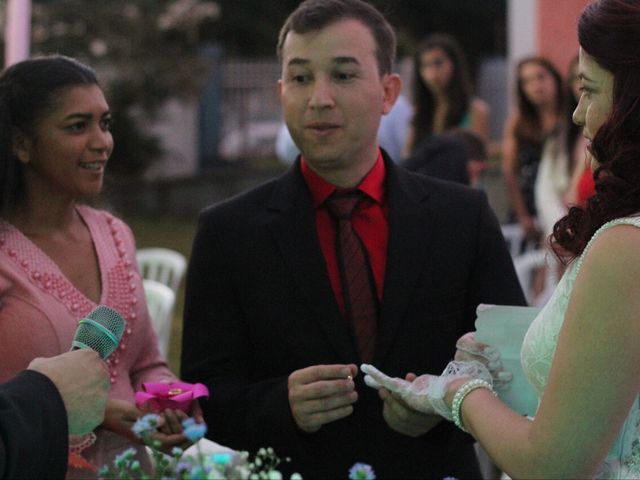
column 161, row 301
column 162, row 265
column 526, row 265
column 514, row 236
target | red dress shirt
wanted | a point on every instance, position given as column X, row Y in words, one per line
column 370, row 221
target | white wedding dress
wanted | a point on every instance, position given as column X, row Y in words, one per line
column 623, row 460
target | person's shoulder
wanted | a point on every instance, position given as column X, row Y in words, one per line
column 611, row 261
column 440, row 187
column 616, row 241
column 246, row 202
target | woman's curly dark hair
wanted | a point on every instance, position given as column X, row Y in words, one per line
column 609, row 31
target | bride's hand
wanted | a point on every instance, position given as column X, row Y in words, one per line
column 426, row 393
column 469, row 349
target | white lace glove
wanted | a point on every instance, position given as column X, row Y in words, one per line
column 469, row 350
column 426, row 393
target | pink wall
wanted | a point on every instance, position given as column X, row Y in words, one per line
column 557, row 25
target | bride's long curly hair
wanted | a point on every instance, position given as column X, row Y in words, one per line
column 609, row 31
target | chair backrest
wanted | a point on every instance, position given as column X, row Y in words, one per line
column 516, row 241
column 162, row 265
column 161, row 301
column 526, row 265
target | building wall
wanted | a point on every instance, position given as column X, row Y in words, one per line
column 557, row 30
column 542, row 27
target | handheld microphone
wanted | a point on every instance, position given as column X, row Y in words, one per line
column 101, row 331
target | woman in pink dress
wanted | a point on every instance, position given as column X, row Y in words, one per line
column 59, row 258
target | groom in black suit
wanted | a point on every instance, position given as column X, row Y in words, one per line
column 272, row 324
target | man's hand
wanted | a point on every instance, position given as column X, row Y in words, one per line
column 82, row 379
column 321, row 394
column 401, row 417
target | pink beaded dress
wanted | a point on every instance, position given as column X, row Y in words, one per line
column 40, row 309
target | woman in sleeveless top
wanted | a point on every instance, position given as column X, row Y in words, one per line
column 539, row 110
column 582, row 352
column 60, row 259
column 442, row 93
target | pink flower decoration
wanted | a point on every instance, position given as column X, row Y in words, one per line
column 175, row 395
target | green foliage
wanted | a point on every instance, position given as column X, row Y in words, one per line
column 134, row 148
column 250, row 27
column 145, row 51
column 148, row 43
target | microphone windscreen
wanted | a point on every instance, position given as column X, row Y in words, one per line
column 101, row 331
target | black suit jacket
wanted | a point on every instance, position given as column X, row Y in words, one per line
column 33, row 428
column 259, row 305
column 441, row 156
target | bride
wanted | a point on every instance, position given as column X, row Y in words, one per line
column 582, row 352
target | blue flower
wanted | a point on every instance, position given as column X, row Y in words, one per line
column 183, row 467
column 197, row 472
column 361, row 471
column 146, row 425
column 177, row 452
column 194, row 431
column 124, row 458
column 221, row 458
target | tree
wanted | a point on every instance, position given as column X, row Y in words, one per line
column 250, row 27
column 145, row 51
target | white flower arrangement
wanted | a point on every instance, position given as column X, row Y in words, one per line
column 214, row 466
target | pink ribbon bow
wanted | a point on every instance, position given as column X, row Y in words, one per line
column 175, row 395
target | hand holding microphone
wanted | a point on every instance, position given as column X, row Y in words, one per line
column 81, row 377
column 82, row 380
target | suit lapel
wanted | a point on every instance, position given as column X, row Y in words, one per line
column 410, row 233
column 294, row 230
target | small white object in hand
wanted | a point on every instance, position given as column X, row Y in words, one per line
column 426, row 393
column 374, row 378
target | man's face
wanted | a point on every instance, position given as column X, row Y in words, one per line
column 333, row 96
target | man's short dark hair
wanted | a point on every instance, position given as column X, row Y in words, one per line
column 312, row 15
